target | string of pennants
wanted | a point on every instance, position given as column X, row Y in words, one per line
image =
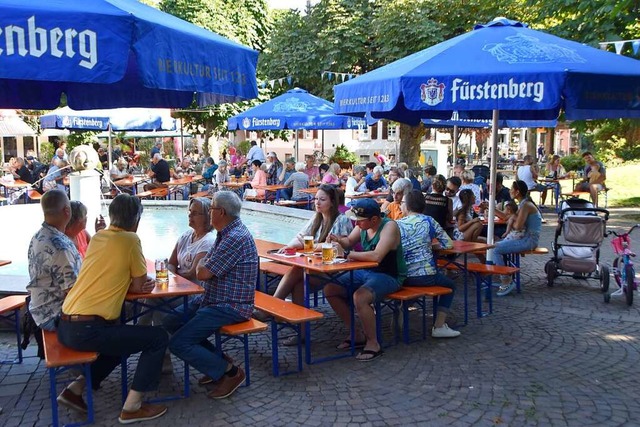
column 279, row 81
column 619, row 45
column 339, row 76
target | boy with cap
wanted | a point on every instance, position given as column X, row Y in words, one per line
column 380, row 240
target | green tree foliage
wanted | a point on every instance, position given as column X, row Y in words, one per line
column 244, row 21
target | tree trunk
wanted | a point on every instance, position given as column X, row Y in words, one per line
column 410, row 139
column 532, row 143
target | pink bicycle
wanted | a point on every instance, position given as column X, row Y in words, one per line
column 624, row 272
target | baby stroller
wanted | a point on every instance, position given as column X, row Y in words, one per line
column 576, row 246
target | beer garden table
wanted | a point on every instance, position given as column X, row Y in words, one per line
column 313, row 265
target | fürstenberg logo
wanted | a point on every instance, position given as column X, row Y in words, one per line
column 36, row 42
column 465, row 91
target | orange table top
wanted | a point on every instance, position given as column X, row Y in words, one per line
column 312, row 190
column 234, row 184
column 370, row 194
column 311, row 263
column 185, row 180
column 130, row 181
column 4, row 262
column 178, row 286
column 273, row 187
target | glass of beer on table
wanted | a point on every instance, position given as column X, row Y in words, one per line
column 308, row 244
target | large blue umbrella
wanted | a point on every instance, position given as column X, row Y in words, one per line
column 505, row 66
column 295, row 109
column 499, row 70
column 118, row 119
column 115, row 53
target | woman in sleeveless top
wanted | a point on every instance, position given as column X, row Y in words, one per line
column 526, row 230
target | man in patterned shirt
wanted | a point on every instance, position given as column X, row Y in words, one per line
column 230, row 270
column 54, row 261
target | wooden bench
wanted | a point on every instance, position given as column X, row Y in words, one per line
column 240, row 331
column 59, row 359
column 257, row 199
column 483, row 274
column 404, row 296
column 272, row 272
column 284, row 314
column 10, row 311
column 154, row 193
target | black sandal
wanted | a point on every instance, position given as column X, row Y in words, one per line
column 372, row 353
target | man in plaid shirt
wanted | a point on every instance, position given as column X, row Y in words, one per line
column 230, row 270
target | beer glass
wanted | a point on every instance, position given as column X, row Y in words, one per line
column 329, row 253
column 162, row 272
column 308, row 244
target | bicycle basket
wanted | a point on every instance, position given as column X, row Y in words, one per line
column 619, row 242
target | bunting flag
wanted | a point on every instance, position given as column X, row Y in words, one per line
column 620, row 44
column 339, row 76
column 279, row 81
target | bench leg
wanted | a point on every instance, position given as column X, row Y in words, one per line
column 274, row 348
column 247, row 366
column 53, row 392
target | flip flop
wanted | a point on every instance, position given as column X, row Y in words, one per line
column 373, row 354
column 346, row 344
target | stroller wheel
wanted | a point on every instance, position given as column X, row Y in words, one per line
column 629, row 273
column 550, row 269
column 604, row 278
column 607, row 297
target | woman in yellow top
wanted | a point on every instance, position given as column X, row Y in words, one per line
column 400, row 188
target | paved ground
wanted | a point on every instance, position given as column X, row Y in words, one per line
column 549, row 356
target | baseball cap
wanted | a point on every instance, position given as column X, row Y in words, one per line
column 272, row 154
column 30, row 158
column 363, row 209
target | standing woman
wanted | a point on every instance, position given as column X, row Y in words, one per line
column 524, row 236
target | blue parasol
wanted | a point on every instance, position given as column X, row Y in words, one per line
column 499, row 70
column 505, row 66
column 295, row 109
column 119, row 119
column 115, row 53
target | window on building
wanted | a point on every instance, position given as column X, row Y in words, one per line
column 365, row 158
column 28, row 143
column 385, row 129
column 374, row 131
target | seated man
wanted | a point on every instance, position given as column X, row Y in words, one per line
column 230, row 270
column 54, row 261
column 380, row 240
column 595, row 175
column 114, row 266
column 376, row 181
column 159, row 173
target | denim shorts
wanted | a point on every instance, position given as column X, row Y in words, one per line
column 379, row 284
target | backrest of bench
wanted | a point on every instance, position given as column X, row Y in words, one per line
column 57, row 355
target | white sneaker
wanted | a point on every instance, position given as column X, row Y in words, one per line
column 444, row 332
column 506, row 289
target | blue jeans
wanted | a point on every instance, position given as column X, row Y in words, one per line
column 506, row 247
column 113, row 341
column 438, row 279
column 190, row 342
column 379, row 284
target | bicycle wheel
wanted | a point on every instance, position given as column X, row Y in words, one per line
column 629, row 279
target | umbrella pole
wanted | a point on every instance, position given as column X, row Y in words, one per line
column 322, row 142
column 492, row 190
column 109, row 148
column 297, row 144
column 182, row 138
column 454, row 146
